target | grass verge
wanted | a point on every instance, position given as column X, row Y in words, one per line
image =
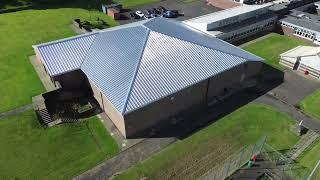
column 310, row 158
column 29, row 151
column 311, row 105
column 18, row 32
column 272, row 46
column 242, row 127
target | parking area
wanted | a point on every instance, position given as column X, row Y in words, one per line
column 295, row 87
column 189, row 9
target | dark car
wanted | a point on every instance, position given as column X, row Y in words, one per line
column 134, row 15
column 156, row 11
column 177, row 12
column 170, row 14
column 149, row 12
column 162, row 9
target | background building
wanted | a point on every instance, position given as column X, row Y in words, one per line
column 302, row 22
column 236, row 23
column 304, row 59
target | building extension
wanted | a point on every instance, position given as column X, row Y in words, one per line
column 305, row 59
column 302, row 24
column 150, row 71
column 236, row 23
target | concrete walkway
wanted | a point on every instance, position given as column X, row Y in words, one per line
column 292, row 111
column 44, row 77
column 126, row 159
column 16, row 111
column 115, row 133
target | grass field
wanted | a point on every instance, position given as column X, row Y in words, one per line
column 18, row 32
column 310, row 158
column 243, row 127
column 271, row 47
column 93, row 4
column 28, row 151
column 311, row 105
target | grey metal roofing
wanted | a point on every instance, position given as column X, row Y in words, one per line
column 309, row 21
column 227, row 13
column 67, row 55
column 136, row 64
column 112, row 61
column 163, row 72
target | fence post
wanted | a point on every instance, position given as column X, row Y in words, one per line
column 263, row 143
column 314, row 170
column 227, row 172
column 240, row 157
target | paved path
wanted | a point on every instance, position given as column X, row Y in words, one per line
column 295, row 87
column 126, row 159
column 44, row 77
column 295, row 113
column 16, row 111
column 256, row 40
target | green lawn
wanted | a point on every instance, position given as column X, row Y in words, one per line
column 243, row 127
column 271, row 47
column 311, row 105
column 28, row 151
column 85, row 4
column 310, row 158
column 18, row 32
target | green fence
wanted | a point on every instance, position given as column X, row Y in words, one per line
column 315, row 174
column 284, row 164
column 234, row 162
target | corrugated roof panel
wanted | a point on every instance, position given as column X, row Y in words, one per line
column 112, row 61
column 64, row 56
column 227, row 13
column 184, row 32
column 177, row 65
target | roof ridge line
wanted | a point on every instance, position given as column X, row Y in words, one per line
column 66, row 39
column 215, row 48
column 136, row 72
column 85, row 57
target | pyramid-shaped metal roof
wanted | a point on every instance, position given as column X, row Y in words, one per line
column 136, row 64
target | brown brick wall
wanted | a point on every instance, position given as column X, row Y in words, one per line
column 287, row 31
column 106, row 105
column 165, row 109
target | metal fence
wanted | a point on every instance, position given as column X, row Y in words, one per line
column 315, row 174
column 234, row 162
column 284, row 164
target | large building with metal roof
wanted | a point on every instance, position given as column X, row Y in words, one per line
column 150, row 71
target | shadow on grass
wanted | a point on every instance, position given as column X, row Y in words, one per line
column 19, row 5
column 195, row 119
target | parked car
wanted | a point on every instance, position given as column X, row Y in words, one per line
column 170, row 14
column 140, row 14
column 156, row 11
column 156, row 15
column 149, row 12
column 134, row 15
column 177, row 12
column 162, row 9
